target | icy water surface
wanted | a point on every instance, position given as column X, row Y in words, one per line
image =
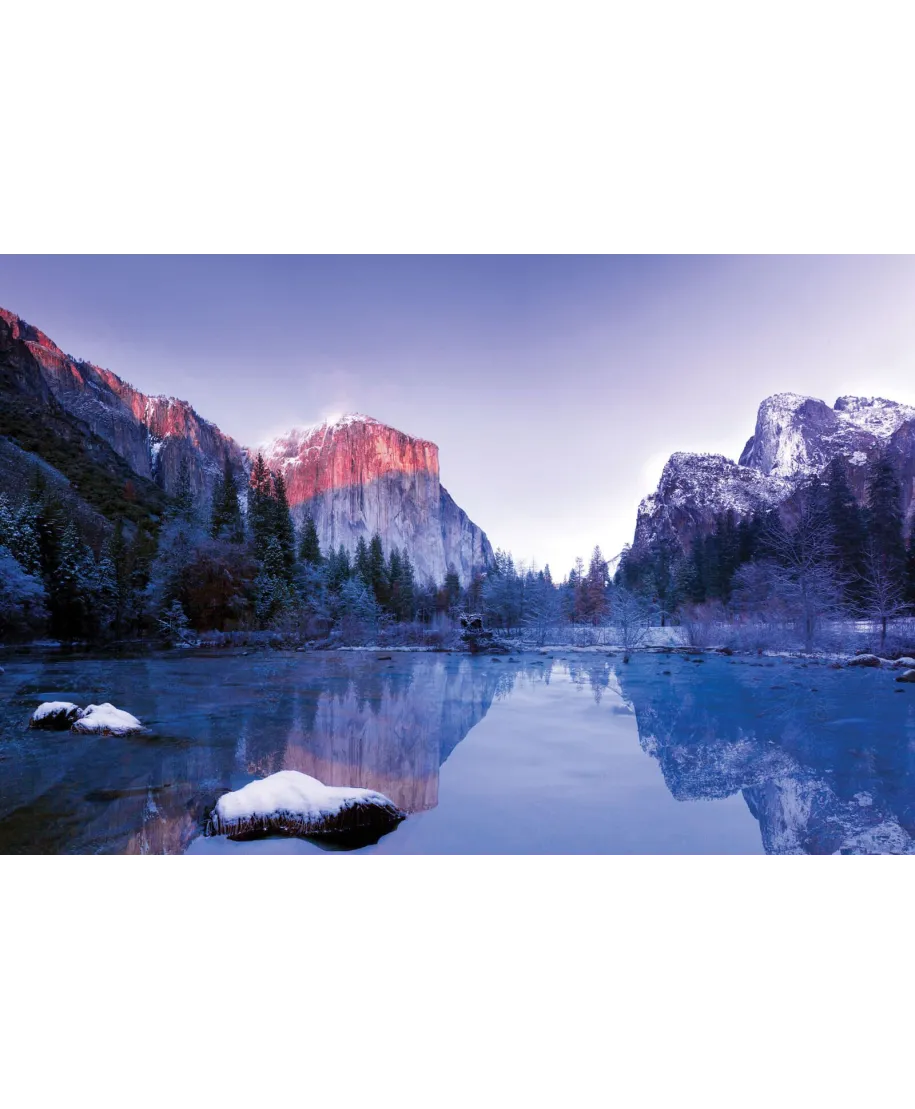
column 575, row 754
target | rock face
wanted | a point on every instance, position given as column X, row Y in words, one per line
column 357, row 476
column 795, row 439
column 151, row 433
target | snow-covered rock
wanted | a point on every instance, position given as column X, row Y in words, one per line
column 290, row 803
column 865, row 660
column 55, row 715
column 907, row 676
column 798, row 436
column 904, row 664
column 693, row 490
column 106, row 720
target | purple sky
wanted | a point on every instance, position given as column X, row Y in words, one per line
column 554, row 386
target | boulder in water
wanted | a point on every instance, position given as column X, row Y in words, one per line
column 908, row 676
column 293, row 804
column 106, row 720
column 56, row 716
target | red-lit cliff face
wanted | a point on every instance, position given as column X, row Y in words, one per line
column 152, row 434
column 354, row 450
column 358, row 476
column 355, row 476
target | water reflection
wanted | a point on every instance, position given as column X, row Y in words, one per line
column 824, row 759
column 215, row 723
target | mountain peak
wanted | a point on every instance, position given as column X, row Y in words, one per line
column 796, row 437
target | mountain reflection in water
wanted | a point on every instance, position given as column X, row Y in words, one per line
column 824, row 758
column 820, row 759
column 215, row 723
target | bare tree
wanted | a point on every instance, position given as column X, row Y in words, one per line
column 883, row 596
column 804, row 578
column 630, row 614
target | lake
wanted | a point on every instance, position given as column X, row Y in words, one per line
column 562, row 753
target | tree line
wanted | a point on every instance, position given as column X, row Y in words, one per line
column 820, row 556
column 203, row 569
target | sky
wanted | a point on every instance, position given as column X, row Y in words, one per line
column 555, row 386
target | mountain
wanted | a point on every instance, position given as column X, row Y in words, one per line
column 796, row 438
column 153, row 434
column 40, row 437
column 356, row 476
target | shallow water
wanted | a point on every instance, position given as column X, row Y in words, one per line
column 582, row 754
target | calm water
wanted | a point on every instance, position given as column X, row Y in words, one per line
column 575, row 754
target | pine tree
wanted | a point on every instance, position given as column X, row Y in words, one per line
column 909, row 587
column 696, row 576
column 393, row 575
column 272, row 590
column 362, row 564
column 884, row 516
column 107, row 589
column 226, row 521
column 283, row 528
column 339, row 570
column 379, row 572
column 18, row 533
column 174, row 624
column 23, row 599
column 407, row 587
column 847, row 531
column 184, row 507
column 260, row 504
column 309, row 547
column 452, row 589
column 71, row 587
column 593, row 603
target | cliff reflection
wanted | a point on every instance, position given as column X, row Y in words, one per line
column 347, row 719
column 824, row 759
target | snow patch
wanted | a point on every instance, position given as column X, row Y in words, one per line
column 106, row 720
column 55, row 714
column 294, row 803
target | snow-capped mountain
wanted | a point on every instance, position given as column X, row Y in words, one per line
column 798, row 436
column 357, row 476
column 795, row 439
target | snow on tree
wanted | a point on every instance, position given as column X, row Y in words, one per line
column 23, row 600
column 174, row 624
column 18, row 533
column 805, row 581
column 883, row 597
column 630, row 614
